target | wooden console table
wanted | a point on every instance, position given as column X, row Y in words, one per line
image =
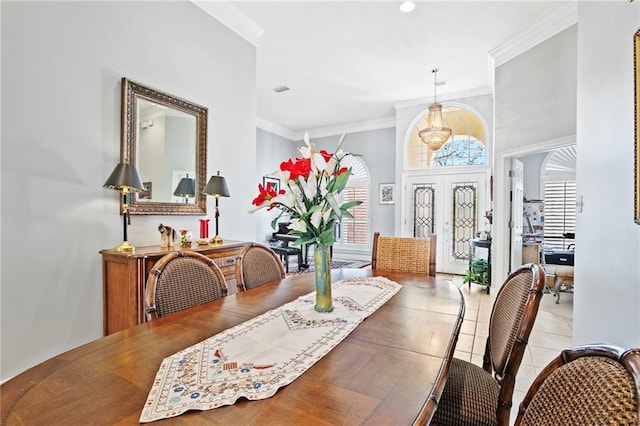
column 124, row 276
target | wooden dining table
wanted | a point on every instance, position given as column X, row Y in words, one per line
column 387, row 371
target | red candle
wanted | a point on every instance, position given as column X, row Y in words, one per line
column 204, row 228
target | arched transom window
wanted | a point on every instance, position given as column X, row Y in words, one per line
column 466, row 147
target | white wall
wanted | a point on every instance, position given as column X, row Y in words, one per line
column 535, row 104
column 535, row 93
column 532, row 164
column 61, row 68
column 607, row 273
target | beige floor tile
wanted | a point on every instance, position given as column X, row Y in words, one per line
column 556, row 325
column 526, row 375
column 479, row 344
column 476, row 359
column 465, row 342
column 517, row 398
column 473, row 305
column 468, row 327
column 556, row 342
column 471, row 314
column 542, row 314
column 526, row 357
column 465, row 356
column 484, row 315
column 482, row 329
column 542, row 356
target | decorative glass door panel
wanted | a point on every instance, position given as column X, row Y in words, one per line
column 423, row 210
column 464, row 218
column 450, row 206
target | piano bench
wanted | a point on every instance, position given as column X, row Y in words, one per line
column 285, row 252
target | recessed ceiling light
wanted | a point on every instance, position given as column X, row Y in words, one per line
column 407, row 6
column 280, row 89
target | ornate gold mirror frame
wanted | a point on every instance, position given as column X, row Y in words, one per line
column 166, row 203
column 636, row 65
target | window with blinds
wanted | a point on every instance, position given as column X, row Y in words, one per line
column 354, row 232
column 559, row 213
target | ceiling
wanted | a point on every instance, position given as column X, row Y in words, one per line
column 353, row 62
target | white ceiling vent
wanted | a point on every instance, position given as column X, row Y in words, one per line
column 280, row 89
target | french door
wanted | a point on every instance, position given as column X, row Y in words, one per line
column 452, row 206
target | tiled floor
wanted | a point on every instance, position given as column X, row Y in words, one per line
column 552, row 332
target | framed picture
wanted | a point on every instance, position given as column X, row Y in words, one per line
column 146, row 194
column 636, row 187
column 271, row 183
column 387, row 193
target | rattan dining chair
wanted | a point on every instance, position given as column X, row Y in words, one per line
column 483, row 396
column 180, row 280
column 256, row 265
column 404, row 254
column 585, row 385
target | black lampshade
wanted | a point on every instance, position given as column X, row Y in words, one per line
column 217, row 186
column 125, row 176
column 186, row 187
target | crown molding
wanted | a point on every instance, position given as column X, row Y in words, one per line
column 320, row 132
column 233, row 18
column 276, row 129
column 360, row 126
column 543, row 146
column 444, row 98
column 536, row 34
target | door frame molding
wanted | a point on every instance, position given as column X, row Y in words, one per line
column 502, row 204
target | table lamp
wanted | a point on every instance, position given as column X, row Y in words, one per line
column 186, row 188
column 125, row 178
column 217, row 186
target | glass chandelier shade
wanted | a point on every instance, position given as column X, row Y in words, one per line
column 436, row 133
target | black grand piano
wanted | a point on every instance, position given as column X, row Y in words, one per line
column 281, row 235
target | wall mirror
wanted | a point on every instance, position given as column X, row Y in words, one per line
column 165, row 137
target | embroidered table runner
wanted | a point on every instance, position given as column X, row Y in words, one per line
column 254, row 359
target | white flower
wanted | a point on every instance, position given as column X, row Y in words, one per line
column 316, row 218
column 318, row 163
column 298, row 225
column 309, row 186
column 309, row 149
column 287, row 199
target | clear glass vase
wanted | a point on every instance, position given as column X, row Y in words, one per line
column 322, row 271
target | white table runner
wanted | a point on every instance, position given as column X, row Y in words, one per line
column 254, row 359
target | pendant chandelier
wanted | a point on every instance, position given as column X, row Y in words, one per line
column 435, row 134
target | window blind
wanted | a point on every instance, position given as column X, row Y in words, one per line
column 559, row 213
column 355, row 231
